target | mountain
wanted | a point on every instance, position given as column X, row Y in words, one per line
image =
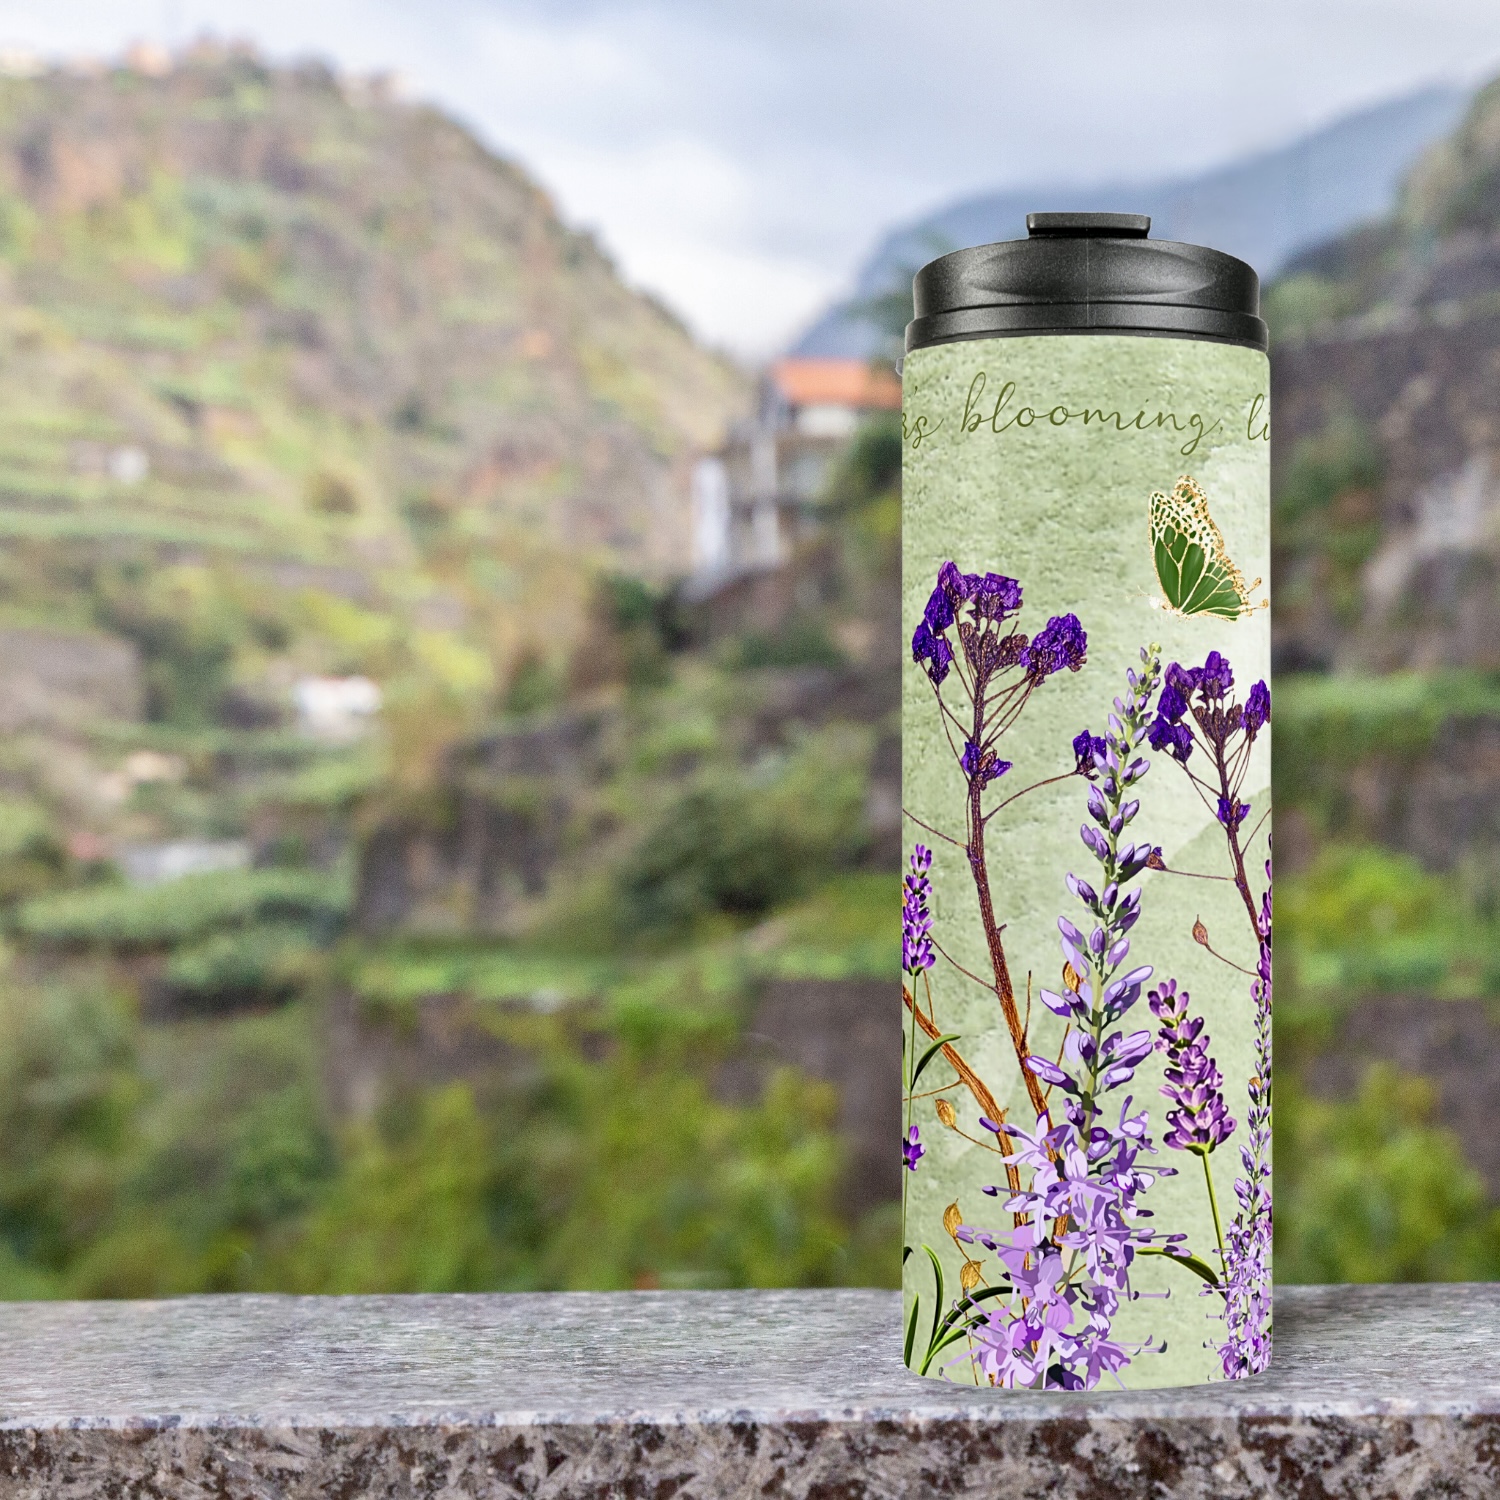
column 1263, row 209
column 388, row 863
column 282, row 328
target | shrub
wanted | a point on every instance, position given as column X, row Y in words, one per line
column 1373, row 1190
column 261, row 964
column 128, row 917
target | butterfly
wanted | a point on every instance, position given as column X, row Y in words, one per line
column 1192, row 566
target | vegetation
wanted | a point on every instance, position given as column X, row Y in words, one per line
column 298, row 381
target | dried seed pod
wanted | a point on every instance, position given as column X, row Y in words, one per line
column 1071, row 978
column 952, row 1219
column 1200, row 932
column 970, row 1274
column 947, row 1115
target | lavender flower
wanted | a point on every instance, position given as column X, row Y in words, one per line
column 1082, row 1226
column 916, row 919
column 912, row 1149
column 1200, row 1122
column 1247, row 1311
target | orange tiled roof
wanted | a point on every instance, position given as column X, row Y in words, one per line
column 837, row 382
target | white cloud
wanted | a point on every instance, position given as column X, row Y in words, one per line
column 739, row 159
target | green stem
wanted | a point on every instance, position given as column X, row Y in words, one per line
column 911, row 1062
column 1213, row 1203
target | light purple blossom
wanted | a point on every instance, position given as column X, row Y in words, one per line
column 1247, row 1311
column 1069, row 1262
column 1199, row 1121
column 916, row 918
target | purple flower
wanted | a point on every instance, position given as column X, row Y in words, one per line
column 1175, row 739
column 1049, row 1072
column 1257, row 709
column 916, row 919
column 1061, row 642
column 1184, row 680
column 1232, row 812
column 1200, row 1122
column 1172, row 705
column 912, row 1149
column 932, row 649
column 996, row 597
column 1088, row 751
column 1215, row 678
column 981, row 766
column 938, row 615
column 1247, row 1309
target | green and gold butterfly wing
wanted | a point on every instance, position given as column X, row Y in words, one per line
column 1192, row 566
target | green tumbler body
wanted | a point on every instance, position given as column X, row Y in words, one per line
column 1086, row 783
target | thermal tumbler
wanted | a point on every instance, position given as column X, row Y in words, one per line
column 1086, row 786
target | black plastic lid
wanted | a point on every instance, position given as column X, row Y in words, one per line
column 1087, row 273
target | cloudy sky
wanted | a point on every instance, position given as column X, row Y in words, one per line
column 739, row 157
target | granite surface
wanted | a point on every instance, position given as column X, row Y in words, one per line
column 1376, row 1392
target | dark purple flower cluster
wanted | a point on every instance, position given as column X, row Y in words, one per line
column 993, row 596
column 1232, row 812
column 1060, row 643
column 916, row 918
column 1247, row 1311
column 1199, row 1122
column 1069, row 1262
column 1197, row 695
column 912, row 1149
column 978, row 606
column 931, row 652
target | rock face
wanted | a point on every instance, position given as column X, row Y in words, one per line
column 1386, row 372
column 1427, row 386
column 60, row 680
column 848, row 1033
column 508, row 801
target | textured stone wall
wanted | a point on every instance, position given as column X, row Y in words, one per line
column 1376, row 1393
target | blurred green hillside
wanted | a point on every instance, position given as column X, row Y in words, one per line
column 571, row 967
column 298, row 378
column 1386, row 383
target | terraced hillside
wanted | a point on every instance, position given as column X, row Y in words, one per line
column 298, row 346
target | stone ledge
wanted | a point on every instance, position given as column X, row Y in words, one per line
column 1375, row 1392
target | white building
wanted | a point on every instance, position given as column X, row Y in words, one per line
column 752, row 499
